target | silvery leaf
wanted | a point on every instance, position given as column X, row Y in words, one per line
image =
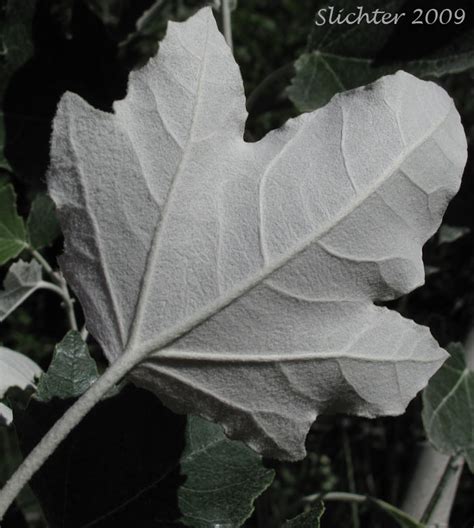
column 16, row 370
column 22, row 279
column 244, row 275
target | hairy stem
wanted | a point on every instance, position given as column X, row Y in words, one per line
column 58, row 279
column 62, row 428
column 227, row 23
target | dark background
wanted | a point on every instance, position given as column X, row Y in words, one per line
column 89, row 47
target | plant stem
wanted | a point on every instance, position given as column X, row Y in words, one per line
column 44, row 264
column 451, row 469
column 84, row 333
column 355, row 498
column 58, row 279
column 227, row 23
column 62, row 428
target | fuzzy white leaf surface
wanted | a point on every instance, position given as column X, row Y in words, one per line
column 22, row 279
column 16, row 370
column 246, row 273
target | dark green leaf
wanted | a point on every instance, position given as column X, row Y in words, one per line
column 16, row 18
column 150, row 26
column 343, row 56
column 42, row 223
column 309, row 519
column 12, row 227
column 223, row 477
column 143, row 463
column 448, row 407
column 72, row 370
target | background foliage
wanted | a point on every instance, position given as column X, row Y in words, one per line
column 88, row 47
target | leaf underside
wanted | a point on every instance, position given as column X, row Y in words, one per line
column 22, row 279
column 245, row 273
column 16, row 370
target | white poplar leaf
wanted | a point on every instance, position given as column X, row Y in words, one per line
column 16, row 370
column 22, row 279
column 248, row 271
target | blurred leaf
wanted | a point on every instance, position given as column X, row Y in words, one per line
column 42, row 223
column 12, row 227
column 308, row 519
column 223, row 477
column 343, row 56
column 448, row 407
column 22, row 279
column 16, row 47
column 72, row 370
column 448, row 233
column 16, row 370
column 109, row 11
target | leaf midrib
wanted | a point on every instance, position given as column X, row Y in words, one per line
column 178, row 331
column 152, row 255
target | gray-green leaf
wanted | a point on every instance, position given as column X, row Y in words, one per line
column 16, row 370
column 344, row 56
column 22, row 279
column 242, row 276
column 448, row 233
column 448, row 407
column 309, row 519
column 223, row 477
column 72, row 370
column 13, row 238
column 43, row 226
